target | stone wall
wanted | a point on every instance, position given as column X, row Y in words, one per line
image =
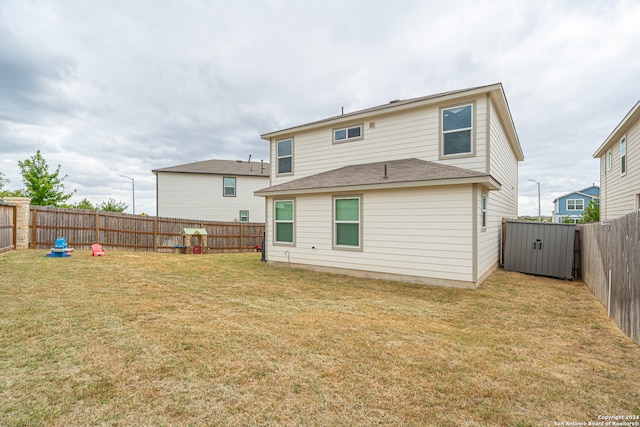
column 22, row 220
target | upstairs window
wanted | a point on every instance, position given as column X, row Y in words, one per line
column 457, row 130
column 623, row 155
column 229, row 184
column 575, row 205
column 284, row 152
column 347, row 133
column 609, row 160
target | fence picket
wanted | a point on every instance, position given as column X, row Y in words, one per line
column 611, row 269
column 115, row 231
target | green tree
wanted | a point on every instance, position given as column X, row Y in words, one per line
column 591, row 212
column 3, row 181
column 83, row 204
column 567, row 220
column 112, row 205
column 44, row 188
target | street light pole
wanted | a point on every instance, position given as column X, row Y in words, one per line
column 539, row 212
column 133, row 188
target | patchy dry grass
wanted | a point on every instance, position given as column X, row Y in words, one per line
column 164, row 339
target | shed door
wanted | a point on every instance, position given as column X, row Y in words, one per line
column 539, row 248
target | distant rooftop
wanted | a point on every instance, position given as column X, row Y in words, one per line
column 220, row 167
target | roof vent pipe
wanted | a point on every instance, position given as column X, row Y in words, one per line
column 385, row 172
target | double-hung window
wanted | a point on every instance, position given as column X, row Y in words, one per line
column 284, row 153
column 623, row 155
column 283, row 221
column 347, row 133
column 457, row 130
column 244, row 216
column 347, row 222
column 575, row 205
column 229, row 184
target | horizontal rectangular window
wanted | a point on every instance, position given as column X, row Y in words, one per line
column 457, row 130
column 229, row 184
column 283, row 221
column 347, row 133
column 575, row 205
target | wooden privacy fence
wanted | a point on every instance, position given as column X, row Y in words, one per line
column 7, row 226
column 115, row 231
column 611, row 269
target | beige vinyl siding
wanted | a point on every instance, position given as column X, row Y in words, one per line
column 199, row 196
column 394, row 136
column 500, row 204
column 412, row 232
column 617, row 191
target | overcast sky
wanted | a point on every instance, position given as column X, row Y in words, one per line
column 121, row 87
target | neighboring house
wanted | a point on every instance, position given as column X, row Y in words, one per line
column 212, row 190
column 619, row 158
column 413, row 190
column 572, row 205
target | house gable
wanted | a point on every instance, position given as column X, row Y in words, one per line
column 619, row 158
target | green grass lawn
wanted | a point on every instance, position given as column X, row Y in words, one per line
column 163, row 339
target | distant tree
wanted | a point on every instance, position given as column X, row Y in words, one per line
column 112, row 205
column 83, row 204
column 3, row 181
column 8, row 193
column 591, row 212
column 568, row 220
column 44, row 188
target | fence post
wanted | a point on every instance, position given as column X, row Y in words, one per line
column 21, row 240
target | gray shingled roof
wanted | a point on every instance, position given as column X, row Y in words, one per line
column 221, row 167
column 420, row 172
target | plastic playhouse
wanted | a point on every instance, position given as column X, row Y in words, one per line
column 200, row 234
column 60, row 249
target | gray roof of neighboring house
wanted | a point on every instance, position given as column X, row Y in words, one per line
column 399, row 173
column 221, row 167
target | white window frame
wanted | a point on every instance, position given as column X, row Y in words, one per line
column 574, row 204
column 470, row 129
column 336, row 222
column 225, row 186
column 483, row 207
column 284, row 156
column 623, row 155
column 609, row 156
column 244, row 218
column 292, row 221
column 346, row 131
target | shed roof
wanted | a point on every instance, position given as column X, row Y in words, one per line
column 221, row 167
column 194, row 231
column 399, row 173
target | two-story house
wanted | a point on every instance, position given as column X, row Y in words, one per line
column 619, row 168
column 413, row 190
column 212, row 190
column 571, row 206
